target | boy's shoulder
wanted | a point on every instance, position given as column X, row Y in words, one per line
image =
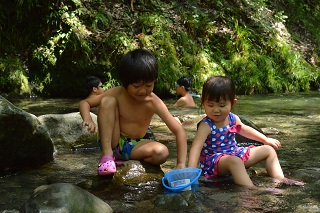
column 114, row 90
column 155, row 98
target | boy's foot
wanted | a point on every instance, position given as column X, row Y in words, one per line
column 106, row 165
column 119, row 162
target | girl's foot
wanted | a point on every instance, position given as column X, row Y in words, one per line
column 275, row 190
column 289, row 182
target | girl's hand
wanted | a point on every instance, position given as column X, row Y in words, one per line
column 273, row 142
column 92, row 127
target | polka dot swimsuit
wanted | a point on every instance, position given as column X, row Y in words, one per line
column 220, row 142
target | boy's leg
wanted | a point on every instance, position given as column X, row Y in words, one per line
column 150, row 151
column 108, row 123
column 109, row 131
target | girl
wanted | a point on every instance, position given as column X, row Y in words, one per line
column 215, row 139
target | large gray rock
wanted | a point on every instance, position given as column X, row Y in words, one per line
column 23, row 140
column 66, row 131
column 64, row 198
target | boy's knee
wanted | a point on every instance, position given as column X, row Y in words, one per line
column 108, row 101
column 163, row 150
column 161, row 154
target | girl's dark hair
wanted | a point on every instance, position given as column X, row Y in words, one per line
column 217, row 88
column 138, row 65
column 91, row 81
column 186, row 82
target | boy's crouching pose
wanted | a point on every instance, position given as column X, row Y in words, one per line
column 125, row 113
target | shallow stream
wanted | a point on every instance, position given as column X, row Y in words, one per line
column 294, row 119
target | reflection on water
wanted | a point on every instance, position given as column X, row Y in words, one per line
column 40, row 106
column 295, row 117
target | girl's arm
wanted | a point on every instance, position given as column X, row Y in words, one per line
column 253, row 134
column 197, row 144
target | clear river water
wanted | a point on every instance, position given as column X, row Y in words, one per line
column 294, row 119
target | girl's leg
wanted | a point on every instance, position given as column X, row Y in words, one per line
column 267, row 153
column 234, row 165
column 150, row 151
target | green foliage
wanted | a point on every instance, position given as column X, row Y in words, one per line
column 264, row 46
column 13, row 78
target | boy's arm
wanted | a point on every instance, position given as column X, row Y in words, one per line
column 253, row 134
column 182, row 149
column 176, row 128
column 84, row 108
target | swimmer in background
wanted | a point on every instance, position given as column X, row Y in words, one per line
column 93, row 86
column 183, row 87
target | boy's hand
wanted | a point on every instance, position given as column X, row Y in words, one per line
column 180, row 166
column 273, row 142
column 92, row 127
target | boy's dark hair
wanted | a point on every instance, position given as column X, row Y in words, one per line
column 91, row 81
column 138, row 65
column 186, row 82
column 218, row 87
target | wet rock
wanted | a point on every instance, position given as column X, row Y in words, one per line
column 23, row 140
column 130, row 174
column 186, row 201
column 243, row 141
column 308, row 207
column 149, row 134
column 309, row 175
column 66, row 131
column 172, row 201
column 272, row 131
column 64, row 197
column 11, row 211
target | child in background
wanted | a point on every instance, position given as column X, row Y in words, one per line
column 93, row 86
column 125, row 113
column 182, row 88
column 215, row 141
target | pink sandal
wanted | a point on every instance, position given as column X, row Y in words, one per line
column 106, row 165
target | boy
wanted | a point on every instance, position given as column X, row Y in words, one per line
column 93, row 86
column 125, row 113
column 183, row 87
